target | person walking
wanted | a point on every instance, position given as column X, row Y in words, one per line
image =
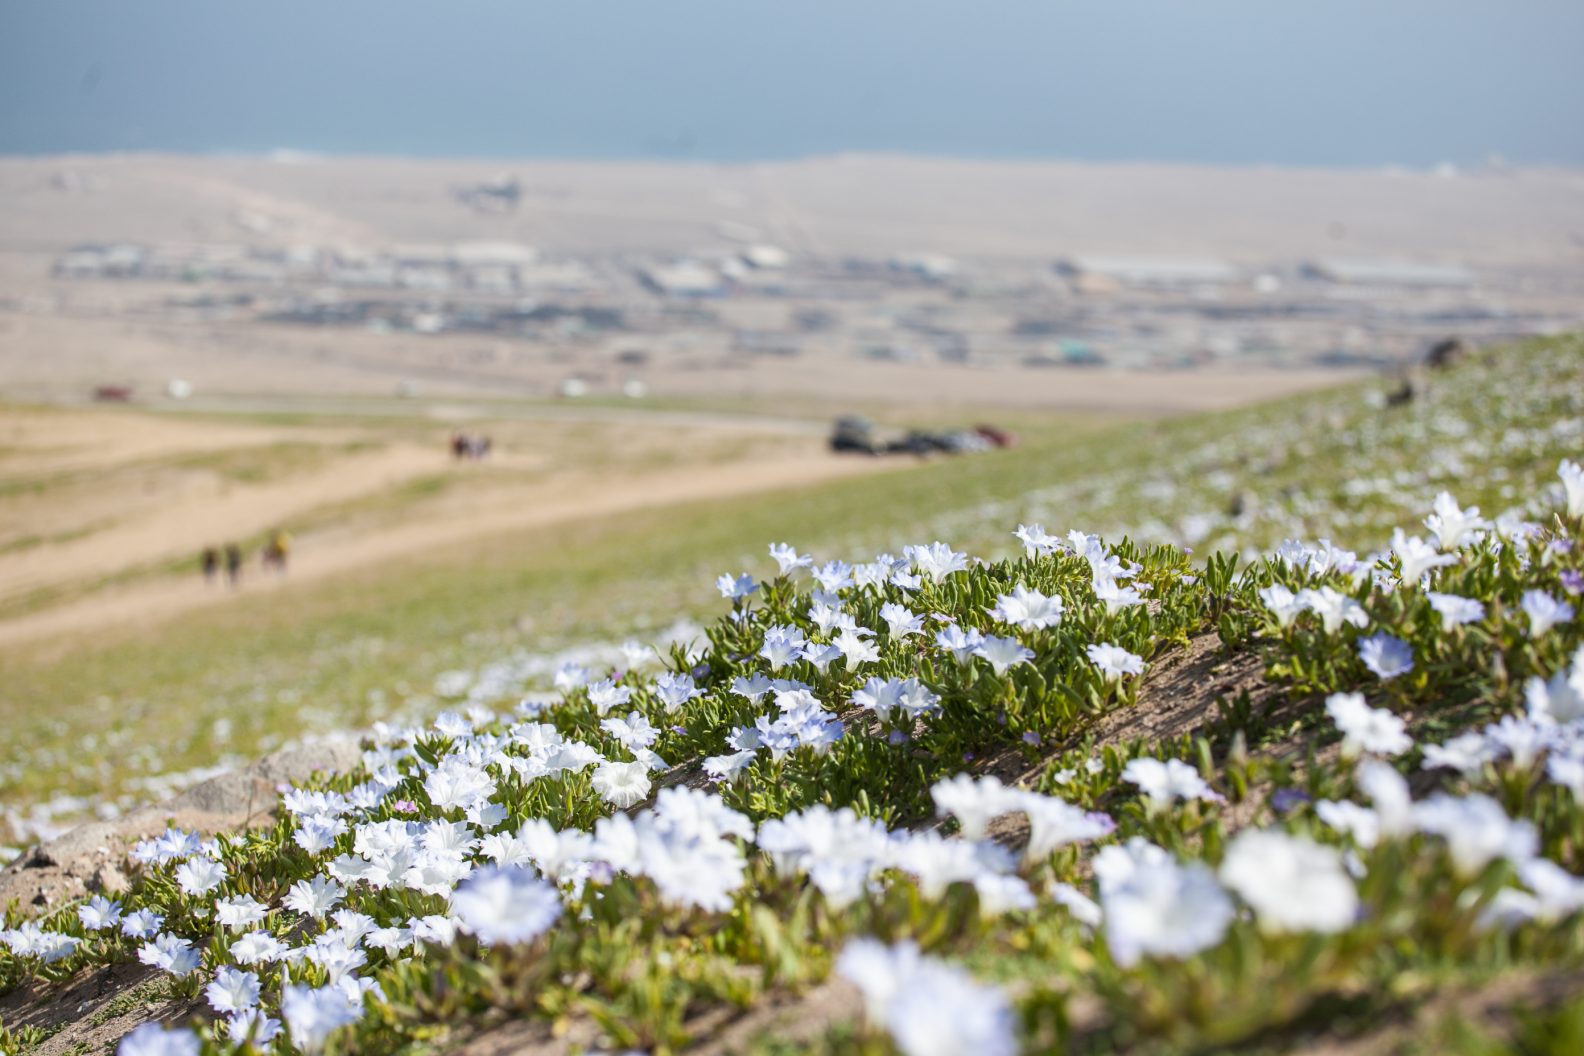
column 233, row 564
column 277, row 550
column 210, row 562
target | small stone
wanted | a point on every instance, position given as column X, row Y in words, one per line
column 39, row 859
column 108, row 879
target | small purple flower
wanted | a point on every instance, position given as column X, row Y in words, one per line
column 679, row 730
column 968, row 757
column 404, row 806
column 1572, row 581
column 1032, row 737
column 1561, row 546
column 1287, row 799
column 896, row 737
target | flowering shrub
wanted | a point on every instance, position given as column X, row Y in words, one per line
column 893, row 772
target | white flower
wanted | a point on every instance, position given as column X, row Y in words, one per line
column 878, row 971
column 99, row 913
column 821, row 656
column 1292, row 883
column 1333, row 607
column 943, row 1011
column 241, row 911
column 505, row 906
column 1544, row 611
column 1558, row 893
column 391, row 941
column 834, row 576
column 252, row 1026
column 1166, row 782
column 313, row 1015
column 1361, row 823
column 901, row 622
column 1417, row 557
column 1002, row 653
column 1567, row 771
column 257, row 947
column 1572, row 475
column 314, row 898
column 1451, row 524
column 634, row 731
column 1113, row 660
column 1084, row 909
column 317, row 833
column 151, row 1039
column 1055, row 823
column 30, row 940
column 1282, row 603
column 1036, row 540
column 1476, row 830
column 857, row 649
column 674, row 690
column 199, row 876
column 929, row 1007
column 1455, row 611
column 689, row 867
column 735, row 588
column 1366, row 729
column 622, row 784
column 753, row 688
column 963, row 645
column 455, row 785
column 1559, row 699
column 607, row 694
column 636, row 654
column 1114, row 595
column 787, row 559
column 1466, row 753
column 974, row 803
column 1028, row 609
column 571, row 675
column 935, row 561
column 1161, row 910
column 174, row 955
column 781, row 646
column 731, row 766
column 232, row 991
column 141, row 924
column 1386, row 655
column 1389, row 794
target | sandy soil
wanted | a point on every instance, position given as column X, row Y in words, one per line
column 831, row 205
column 169, row 513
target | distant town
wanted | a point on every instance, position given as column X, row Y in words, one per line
column 878, row 279
column 1136, row 312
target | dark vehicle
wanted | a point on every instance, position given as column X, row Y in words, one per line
column 854, row 434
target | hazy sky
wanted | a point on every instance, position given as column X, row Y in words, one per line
column 1334, row 82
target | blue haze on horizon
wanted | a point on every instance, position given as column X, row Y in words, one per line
column 1334, row 83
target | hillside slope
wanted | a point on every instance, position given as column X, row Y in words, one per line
column 1092, row 796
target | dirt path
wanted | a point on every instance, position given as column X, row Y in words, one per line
column 334, row 551
column 209, row 511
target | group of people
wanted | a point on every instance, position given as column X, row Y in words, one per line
column 273, row 556
column 465, row 447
